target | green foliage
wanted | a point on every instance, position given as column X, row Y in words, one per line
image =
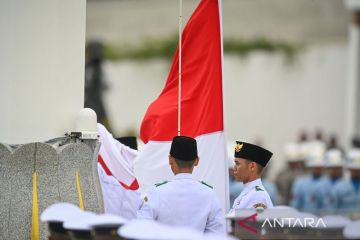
column 165, row 48
column 244, row 48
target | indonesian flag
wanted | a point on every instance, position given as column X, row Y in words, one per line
column 201, row 107
column 116, row 175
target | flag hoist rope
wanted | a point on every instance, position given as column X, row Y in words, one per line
column 179, row 88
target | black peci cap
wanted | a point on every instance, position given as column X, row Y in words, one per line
column 252, row 152
column 184, row 148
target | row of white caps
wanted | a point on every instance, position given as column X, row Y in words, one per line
column 75, row 219
column 315, row 155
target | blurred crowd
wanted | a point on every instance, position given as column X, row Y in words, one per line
column 319, row 177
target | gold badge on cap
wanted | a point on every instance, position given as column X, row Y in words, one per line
column 238, row 147
column 260, row 205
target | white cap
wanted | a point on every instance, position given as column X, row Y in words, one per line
column 106, row 220
column 302, row 216
column 333, row 158
column 304, row 149
column 293, row 152
column 148, row 229
column 316, row 152
column 285, row 207
column 352, row 230
column 334, row 221
column 277, row 212
column 353, row 158
column 79, row 221
column 59, row 212
column 240, row 213
column 185, row 233
column 213, row 236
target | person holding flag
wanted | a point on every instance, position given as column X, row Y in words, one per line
column 183, row 201
column 117, row 179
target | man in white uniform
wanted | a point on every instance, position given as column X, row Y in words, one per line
column 183, row 201
column 250, row 160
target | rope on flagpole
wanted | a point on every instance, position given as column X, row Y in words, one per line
column 179, row 88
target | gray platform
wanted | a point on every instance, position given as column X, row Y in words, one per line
column 55, row 164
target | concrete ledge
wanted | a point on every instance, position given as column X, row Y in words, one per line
column 55, row 163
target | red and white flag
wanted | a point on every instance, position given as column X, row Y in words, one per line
column 201, row 106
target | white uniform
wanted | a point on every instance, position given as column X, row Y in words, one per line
column 253, row 196
column 183, row 202
column 118, row 200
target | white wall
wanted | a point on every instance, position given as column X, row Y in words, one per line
column 265, row 97
column 41, row 68
column 269, row 100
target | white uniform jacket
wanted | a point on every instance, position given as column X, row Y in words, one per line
column 253, row 196
column 117, row 199
column 183, row 202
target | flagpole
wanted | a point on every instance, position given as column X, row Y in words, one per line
column 227, row 190
column 179, row 88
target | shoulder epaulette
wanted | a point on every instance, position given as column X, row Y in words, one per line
column 206, row 184
column 257, row 188
column 162, row 183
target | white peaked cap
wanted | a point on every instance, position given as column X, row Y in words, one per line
column 353, row 159
column 240, row 213
column 285, row 207
column 304, row 149
column 213, row 236
column 316, row 153
column 145, row 229
column 106, row 220
column 352, row 230
column 293, row 152
column 302, row 216
column 335, row 221
column 79, row 221
column 277, row 212
column 334, row 158
column 59, row 212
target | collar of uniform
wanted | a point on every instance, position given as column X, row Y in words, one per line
column 183, row 176
column 252, row 184
column 247, row 187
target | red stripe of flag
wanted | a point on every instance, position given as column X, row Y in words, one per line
column 201, row 100
column 133, row 186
